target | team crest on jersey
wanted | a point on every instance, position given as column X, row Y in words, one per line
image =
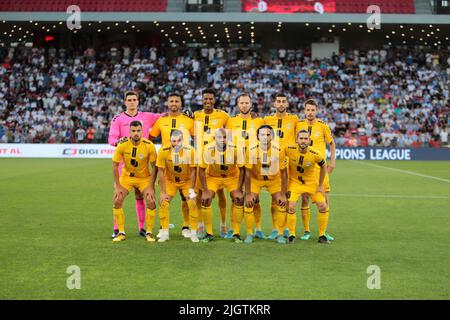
column 317, row 134
column 288, row 126
column 308, row 164
column 141, row 156
column 214, row 121
column 181, row 126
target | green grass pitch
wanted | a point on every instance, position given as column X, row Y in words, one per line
column 57, row 212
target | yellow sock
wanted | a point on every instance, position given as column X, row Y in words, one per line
column 232, row 222
column 150, row 219
column 237, row 212
column 200, row 212
column 273, row 214
column 207, row 218
column 193, row 214
column 280, row 217
column 185, row 212
column 164, row 214
column 222, row 207
column 120, row 218
column 291, row 222
column 257, row 215
column 322, row 221
column 305, row 218
column 249, row 218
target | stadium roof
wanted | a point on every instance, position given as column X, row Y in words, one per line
column 227, row 17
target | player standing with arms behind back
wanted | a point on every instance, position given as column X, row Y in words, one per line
column 320, row 136
column 120, row 128
column 283, row 124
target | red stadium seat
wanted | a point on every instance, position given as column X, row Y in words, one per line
column 386, row 6
column 85, row 5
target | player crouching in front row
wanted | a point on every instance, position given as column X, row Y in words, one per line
column 221, row 170
column 136, row 154
column 177, row 171
column 303, row 183
column 266, row 168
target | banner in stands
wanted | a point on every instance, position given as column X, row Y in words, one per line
column 293, row 6
column 404, row 154
column 104, row 151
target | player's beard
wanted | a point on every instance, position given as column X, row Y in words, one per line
column 136, row 140
column 208, row 107
column 265, row 145
column 221, row 146
column 281, row 110
column 303, row 146
column 174, row 109
column 177, row 148
column 245, row 113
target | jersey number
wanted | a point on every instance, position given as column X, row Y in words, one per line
column 134, row 163
column 280, row 133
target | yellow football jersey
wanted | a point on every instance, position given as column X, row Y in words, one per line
column 301, row 165
column 244, row 131
column 177, row 166
column 165, row 124
column 284, row 127
column 266, row 164
column 206, row 124
column 136, row 158
column 319, row 132
column 220, row 163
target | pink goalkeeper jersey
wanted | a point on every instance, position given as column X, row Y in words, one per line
column 120, row 125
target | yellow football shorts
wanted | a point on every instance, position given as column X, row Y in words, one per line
column 296, row 189
column 272, row 186
column 133, row 182
column 172, row 187
column 230, row 183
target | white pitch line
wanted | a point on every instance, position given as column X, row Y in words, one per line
column 398, row 196
column 403, row 171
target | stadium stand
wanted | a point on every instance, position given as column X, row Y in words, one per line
column 85, row 5
column 386, row 97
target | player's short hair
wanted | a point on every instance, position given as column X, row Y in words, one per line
column 135, row 123
column 174, row 94
column 244, row 94
column 279, row 95
column 209, row 91
column 130, row 93
column 312, row 102
column 265, row 126
column 302, row 131
column 176, row 133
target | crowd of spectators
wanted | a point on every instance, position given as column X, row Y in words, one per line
column 387, row 97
